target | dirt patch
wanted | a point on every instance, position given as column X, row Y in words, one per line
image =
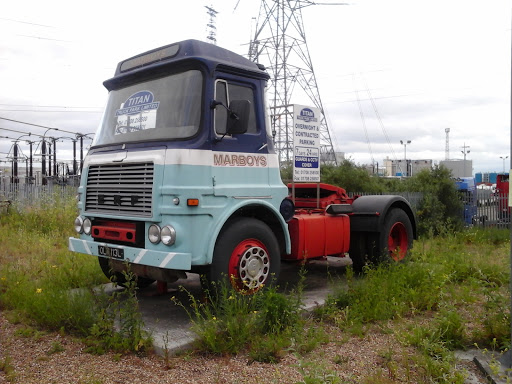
column 39, row 357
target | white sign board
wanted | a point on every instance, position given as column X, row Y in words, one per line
column 306, row 144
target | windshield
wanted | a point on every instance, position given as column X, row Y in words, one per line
column 163, row 109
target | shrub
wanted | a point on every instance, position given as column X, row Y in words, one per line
column 351, row 177
column 440, row 211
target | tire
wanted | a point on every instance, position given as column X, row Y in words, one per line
column 395, row 240
column 358, row 251
column 246, row 255
column 118, row 277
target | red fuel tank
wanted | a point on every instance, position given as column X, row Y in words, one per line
column 316, row 234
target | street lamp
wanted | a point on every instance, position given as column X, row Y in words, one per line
column 503, row 158
column 465, row 151
column 405, row 154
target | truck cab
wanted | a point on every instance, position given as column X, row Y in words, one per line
column 172, row 161
column 182, row 176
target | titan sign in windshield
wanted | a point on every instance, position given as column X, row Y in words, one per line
column 162, row 109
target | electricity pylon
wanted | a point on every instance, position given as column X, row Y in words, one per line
column 279, row 43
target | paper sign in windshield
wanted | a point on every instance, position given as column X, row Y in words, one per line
column 137, row 113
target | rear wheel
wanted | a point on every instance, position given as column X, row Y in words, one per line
column 358, row 251
column 247, row 255
column 119, row 277
column 391, row 244
column 395, row 240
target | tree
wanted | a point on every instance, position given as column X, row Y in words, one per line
column 351, row 177
column 441, row 206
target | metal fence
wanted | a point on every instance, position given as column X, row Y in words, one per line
column 481, row 208
column 21, row 194
column 489, row 210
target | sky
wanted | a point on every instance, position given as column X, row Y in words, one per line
column 386, row 70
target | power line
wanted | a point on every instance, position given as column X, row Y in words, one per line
column 26, row 133
column 26, row 22
column 377, row 114
column 53, row 111
column 40, row 126
column 364, row 124
column 376, row 98
column 44, row 38
column 46, row 106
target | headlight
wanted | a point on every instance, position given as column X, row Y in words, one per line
column 87, row 225
column 79, row 225
column 154, row 233
column 168, row 234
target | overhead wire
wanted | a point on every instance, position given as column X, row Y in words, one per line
column 40, row 126
column 379, row 119
column 46, row 106
column 26, row 22
column 46, row 111
column 363, row 120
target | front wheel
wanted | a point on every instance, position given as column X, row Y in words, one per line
column 247, row 255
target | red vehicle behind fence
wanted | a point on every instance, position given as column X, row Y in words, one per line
column 502, row 191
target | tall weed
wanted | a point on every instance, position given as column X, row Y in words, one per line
column 119, row 326
column 266, row 323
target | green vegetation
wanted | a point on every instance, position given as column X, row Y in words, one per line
column 121, row 307
column 267, row 323
column 455, row 286
column 7, row 368
column 43, row 283
column 451, row 294
column 440, row 210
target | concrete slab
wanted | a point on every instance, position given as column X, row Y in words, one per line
column 170, row 324
column 469, row 357
column 496, row 367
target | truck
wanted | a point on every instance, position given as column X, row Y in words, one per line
column 182, row 177
column 502, row 195
column 466, row 187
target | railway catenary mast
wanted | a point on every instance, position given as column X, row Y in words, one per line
column 279, row 43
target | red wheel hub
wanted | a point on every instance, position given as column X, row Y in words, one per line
column 249, row 266
column 398, row 241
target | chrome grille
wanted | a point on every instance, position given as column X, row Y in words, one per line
column 121, row 189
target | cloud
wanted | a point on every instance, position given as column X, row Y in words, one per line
column 425, row 65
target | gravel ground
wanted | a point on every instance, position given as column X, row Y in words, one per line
column 378, row 357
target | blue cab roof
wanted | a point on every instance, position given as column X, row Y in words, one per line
column 188, row 50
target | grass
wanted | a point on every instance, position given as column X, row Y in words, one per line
column 43, row 283
column 267, row 324
column 453, row 293
column 7, row 368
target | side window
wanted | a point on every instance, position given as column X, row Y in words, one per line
column 225, row 92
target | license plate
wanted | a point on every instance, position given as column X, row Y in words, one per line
column 115, row 253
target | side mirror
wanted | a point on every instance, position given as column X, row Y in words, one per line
column 238, row 116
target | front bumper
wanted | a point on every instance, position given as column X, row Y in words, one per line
column 167, row 260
